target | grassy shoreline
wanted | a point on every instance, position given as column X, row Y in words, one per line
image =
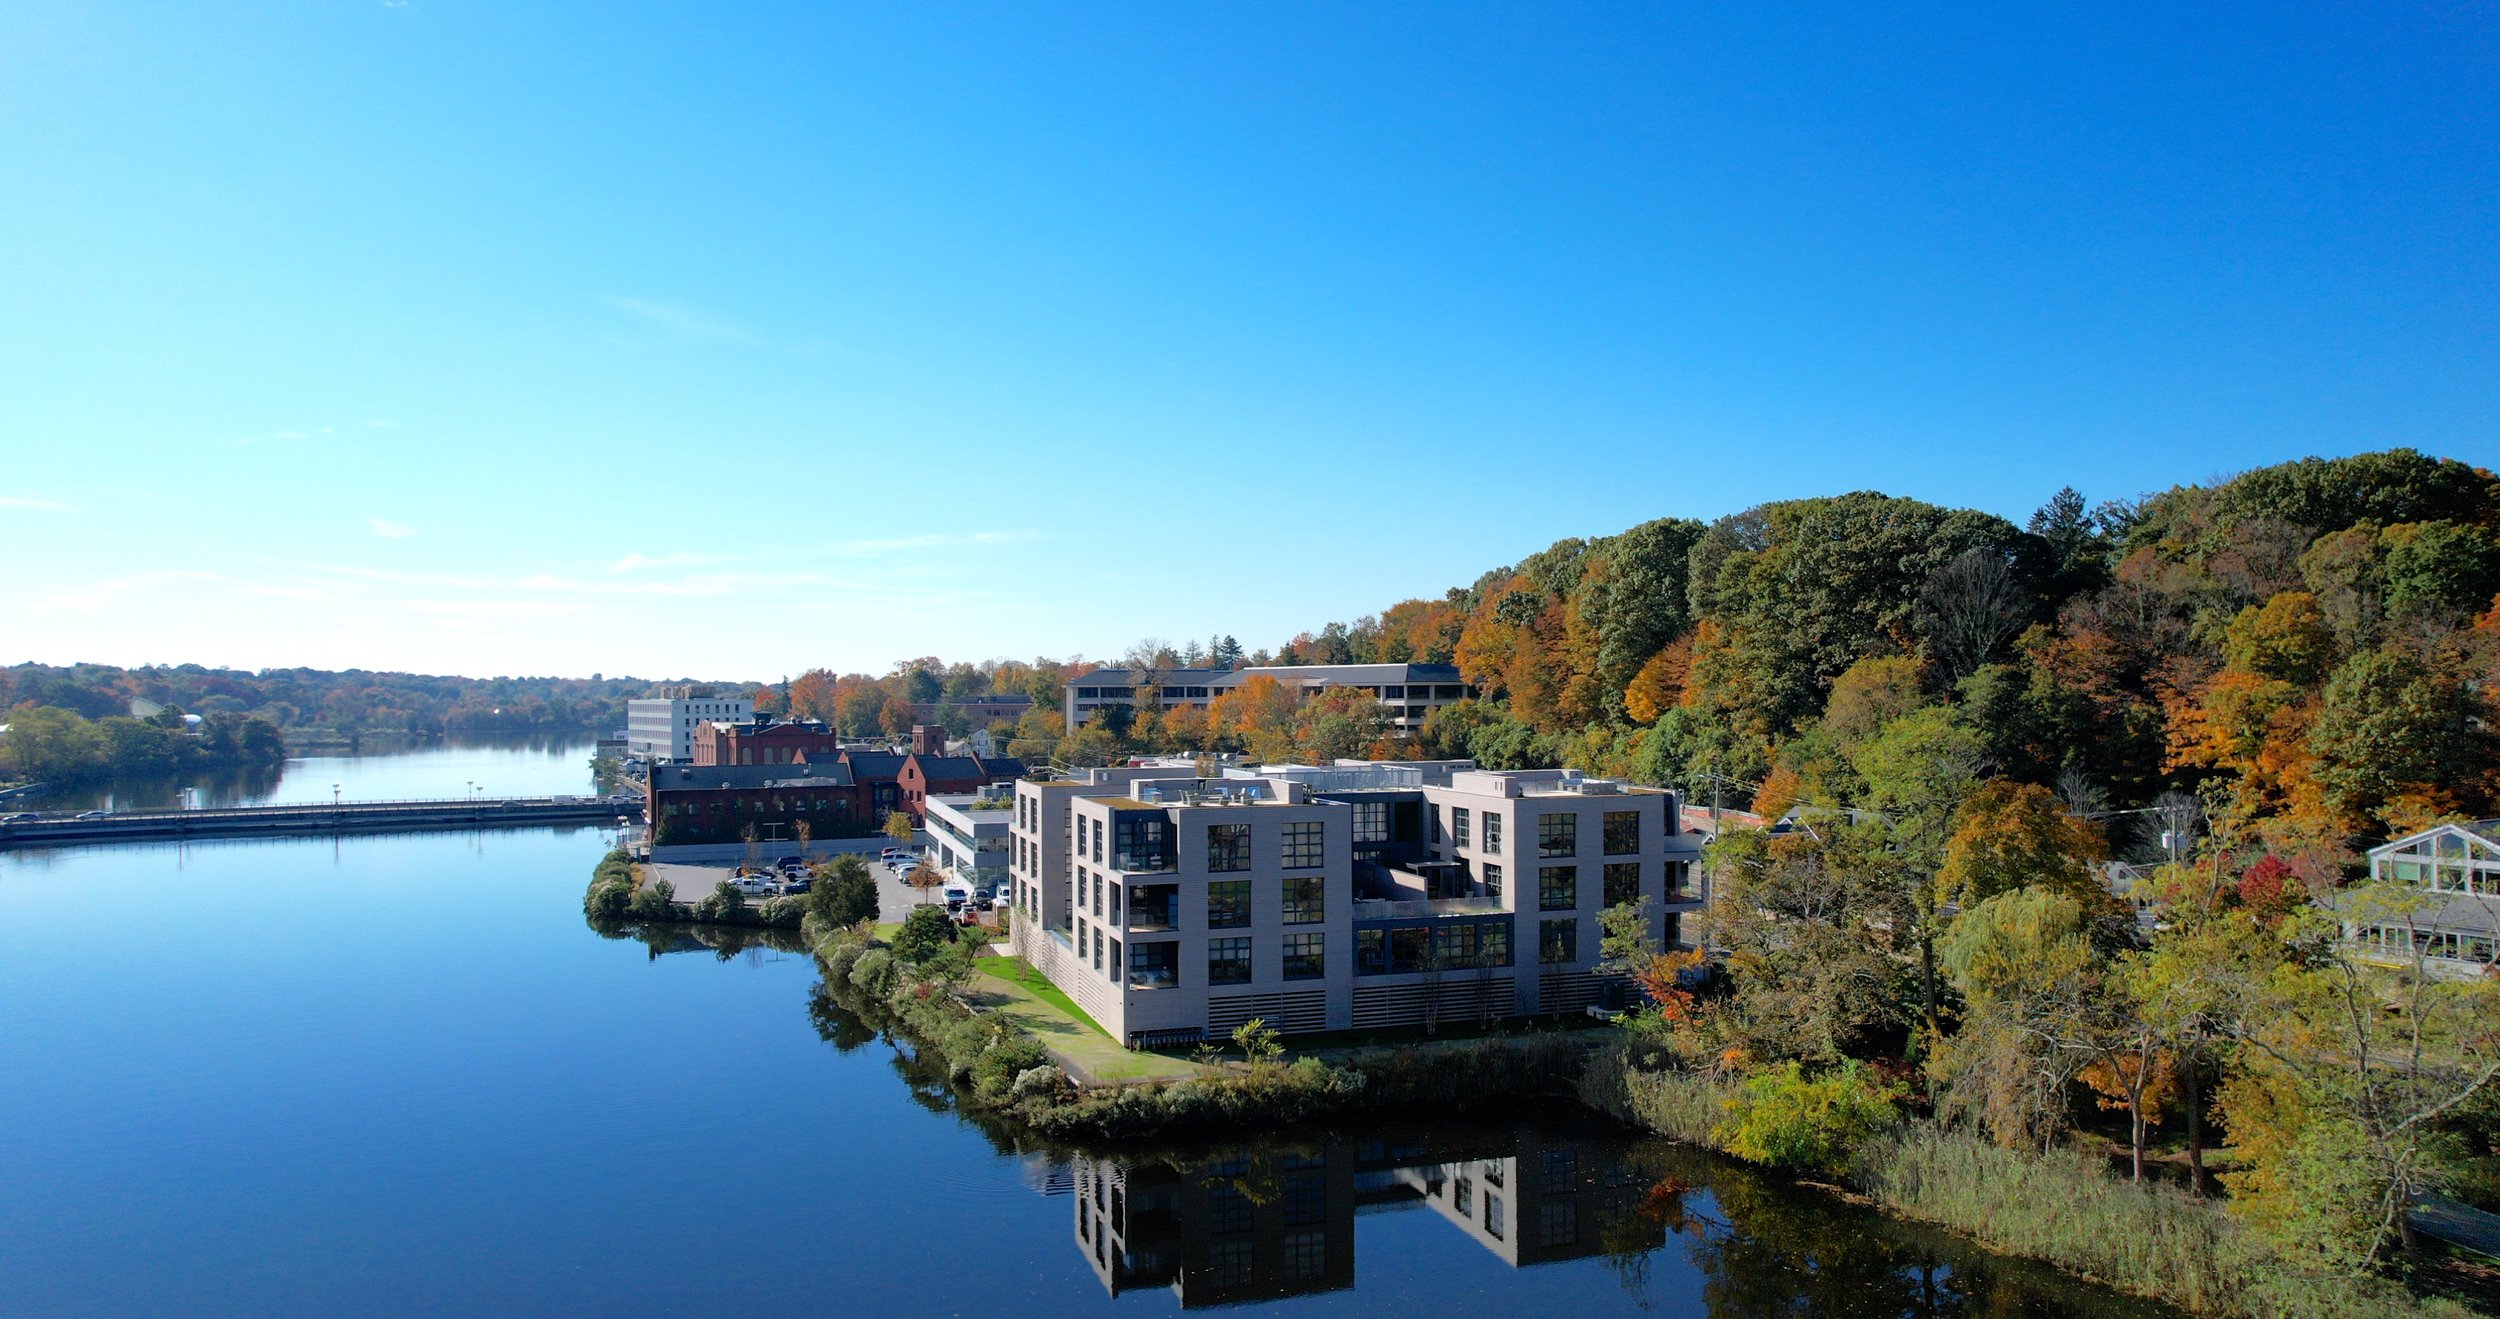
column 2061, row 1209
column 1003, row 1071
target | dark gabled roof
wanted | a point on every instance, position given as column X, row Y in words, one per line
column 866, row 765
column 707, row 778
column 948, row 768
column 1001, row 767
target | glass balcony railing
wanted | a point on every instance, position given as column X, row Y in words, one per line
column 1380, row 909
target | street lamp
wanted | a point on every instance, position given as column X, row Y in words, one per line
column 334, row 795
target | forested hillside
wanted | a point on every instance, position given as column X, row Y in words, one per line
column 351, row 700
column 2309, row 649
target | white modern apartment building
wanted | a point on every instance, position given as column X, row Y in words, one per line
column 970, row 838
column 1409, row 691
column 1173, row 907
column 662, row 728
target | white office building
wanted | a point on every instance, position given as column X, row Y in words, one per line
column 1172, row 907
column 662, row 728
column 970, row 837
column 1408, row 692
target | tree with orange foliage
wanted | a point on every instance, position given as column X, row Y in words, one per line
column 1659, row 684
column 2012, row 835
column 1257, row 716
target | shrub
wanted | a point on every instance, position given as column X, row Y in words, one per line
column 838, row 956
column 724, row 906
column 657, row 902
column 843, row 894
column 1042, row 1082
column 924, row 933
column 608, row 899
column 1787, row 1119
column 784, row 913
column 873, row 973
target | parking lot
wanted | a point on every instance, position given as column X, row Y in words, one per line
column 894, row 897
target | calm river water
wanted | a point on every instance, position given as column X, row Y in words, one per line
column 397, row 1075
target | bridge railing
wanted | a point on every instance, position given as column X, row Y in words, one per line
column 271, row 807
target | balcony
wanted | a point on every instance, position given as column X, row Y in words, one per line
column 1154, row 907
column 1149, row 919
column 1382, row 910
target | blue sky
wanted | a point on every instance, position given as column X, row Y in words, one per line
column 733, row 340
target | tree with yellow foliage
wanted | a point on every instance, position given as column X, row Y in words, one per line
column 2012, row 835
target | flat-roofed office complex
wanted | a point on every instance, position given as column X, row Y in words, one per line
column 662, row 728
column 1408, row 692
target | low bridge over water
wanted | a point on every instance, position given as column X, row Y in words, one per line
column 299, row 818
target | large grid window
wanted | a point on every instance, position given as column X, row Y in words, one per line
column 1492, row 834
column 1306, row 1255
column 1558, row 888
column 1492, row 879
column 1306, row 956
column 1142, row 842
column 1458, row 826
column 1371, row 822
column 1623, row 833
column 1558, row 1223
column 1306, row 901
column 1228, row 847
column 1557, row 942
column 1306, row 1200
column 1623, row 882
column 1228, row 961
column 1228, row 903
column 1227, row 1209
column 1558, row 834
column 1306, row 845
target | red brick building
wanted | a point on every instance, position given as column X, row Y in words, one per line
column 720, row 803
column 763, row 741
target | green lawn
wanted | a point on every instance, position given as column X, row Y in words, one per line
column 1020, row 972
column 1012, row 988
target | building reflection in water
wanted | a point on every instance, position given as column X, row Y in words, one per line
column 1261, row 1224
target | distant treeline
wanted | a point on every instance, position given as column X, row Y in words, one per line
column 351, row 700
column 51, row 745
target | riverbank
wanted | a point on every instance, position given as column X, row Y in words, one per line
column 1003, row 1070
column 621, row 894
column 2062, row 1208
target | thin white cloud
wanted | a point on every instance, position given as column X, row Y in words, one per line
column 680, row 559
column 686, row 322
column 389, row 530
column 30, row 504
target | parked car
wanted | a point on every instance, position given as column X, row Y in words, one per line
column 1001, row 903
column 957, row 895
column 795, row 886
column 93, row 815
column 970, row 915
column 755, row 885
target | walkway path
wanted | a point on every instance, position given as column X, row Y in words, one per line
column 2457, row 1224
